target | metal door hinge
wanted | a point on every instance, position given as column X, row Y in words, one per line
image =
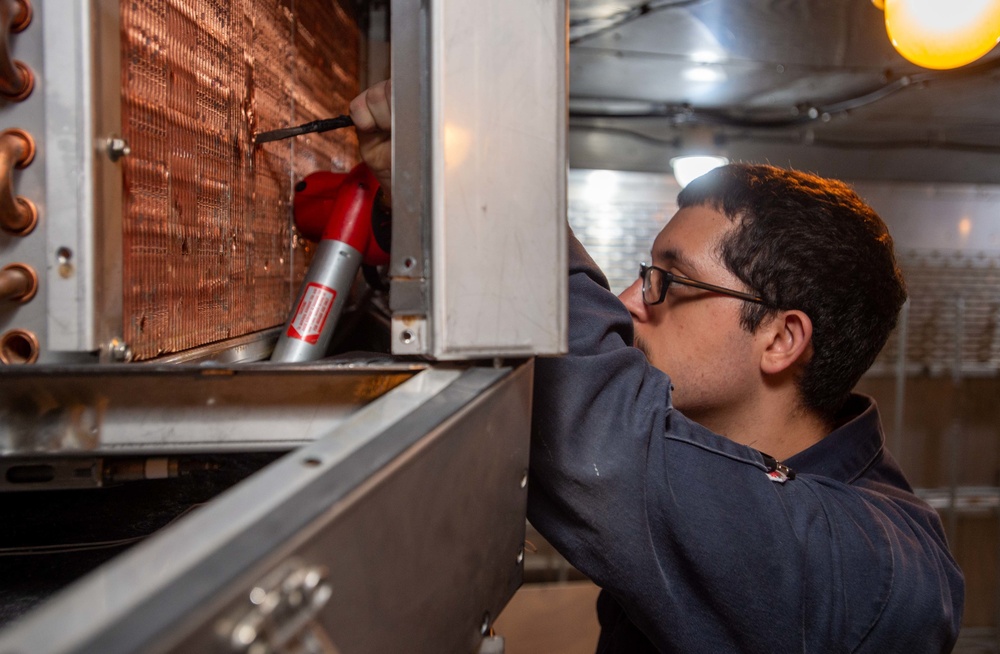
column 281, row 614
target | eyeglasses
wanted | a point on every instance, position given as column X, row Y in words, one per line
column 656, row 281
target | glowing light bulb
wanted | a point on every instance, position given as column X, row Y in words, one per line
column 937, row 34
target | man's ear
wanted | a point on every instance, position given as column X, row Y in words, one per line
column 787, row 341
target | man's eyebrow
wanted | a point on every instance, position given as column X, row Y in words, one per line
column 675, row 257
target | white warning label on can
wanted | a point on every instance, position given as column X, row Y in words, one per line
column 312, row 312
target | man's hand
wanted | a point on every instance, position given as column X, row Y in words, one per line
column 372, row 115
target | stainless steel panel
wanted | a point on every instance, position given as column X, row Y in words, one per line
column 495, row 157
column 411, row 514
column 244, row 349
column 165, row 409
column 618, row 75
column 82, row 111
column 58, row 53
column 411, row 120
column 411, row 174
column 498, row 111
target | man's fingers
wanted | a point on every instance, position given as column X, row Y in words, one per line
column 371, row 111
column 362, row 117
column 379, row 103
column 372, row 115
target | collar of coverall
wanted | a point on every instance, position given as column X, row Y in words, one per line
column 850, row 449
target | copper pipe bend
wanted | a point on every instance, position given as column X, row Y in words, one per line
column 21, row 14
column 18, row 282
column 18, row 216
column 18, row 346
column 16, row 79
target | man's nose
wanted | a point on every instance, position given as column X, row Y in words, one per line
column 631, row 297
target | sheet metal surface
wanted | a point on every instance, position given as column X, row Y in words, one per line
column 160, row 409
column 414, row 508
column 209, row 251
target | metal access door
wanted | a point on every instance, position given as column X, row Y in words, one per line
column 401, row 530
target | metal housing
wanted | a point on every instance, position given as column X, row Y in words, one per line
column 480, row 176
column 401, row 529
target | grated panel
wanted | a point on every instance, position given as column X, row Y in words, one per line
column 618, row 237
column 954, row 313
column 209, row 250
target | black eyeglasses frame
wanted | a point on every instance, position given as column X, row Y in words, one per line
column 645, row 273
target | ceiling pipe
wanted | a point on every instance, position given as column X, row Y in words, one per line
column 779, row 119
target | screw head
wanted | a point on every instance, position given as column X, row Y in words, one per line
column 118, row 148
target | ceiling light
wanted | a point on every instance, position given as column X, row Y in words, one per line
column 707, row 56
column 703, row 74
column 936, row 34
column 686, row 169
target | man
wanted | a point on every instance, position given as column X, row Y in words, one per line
column 769, row 294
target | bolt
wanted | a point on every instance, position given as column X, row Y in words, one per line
column 313, row 577
column 407, row 337
column 258, row 595
column 244, row 635
column 119, row 351
column 118, row 148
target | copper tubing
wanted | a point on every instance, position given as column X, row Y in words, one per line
column 18, row 346
column 18, row 215
column 20, row 14
column 18, row 282
column 16, row 79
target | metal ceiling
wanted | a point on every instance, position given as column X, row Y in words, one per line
column 815, row 85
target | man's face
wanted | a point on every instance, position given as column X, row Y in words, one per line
column 695, row 335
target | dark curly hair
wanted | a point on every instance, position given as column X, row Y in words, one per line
column 808, row 243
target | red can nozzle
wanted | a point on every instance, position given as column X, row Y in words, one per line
column 341, row 206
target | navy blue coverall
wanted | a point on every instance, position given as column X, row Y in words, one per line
column 696, row 547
